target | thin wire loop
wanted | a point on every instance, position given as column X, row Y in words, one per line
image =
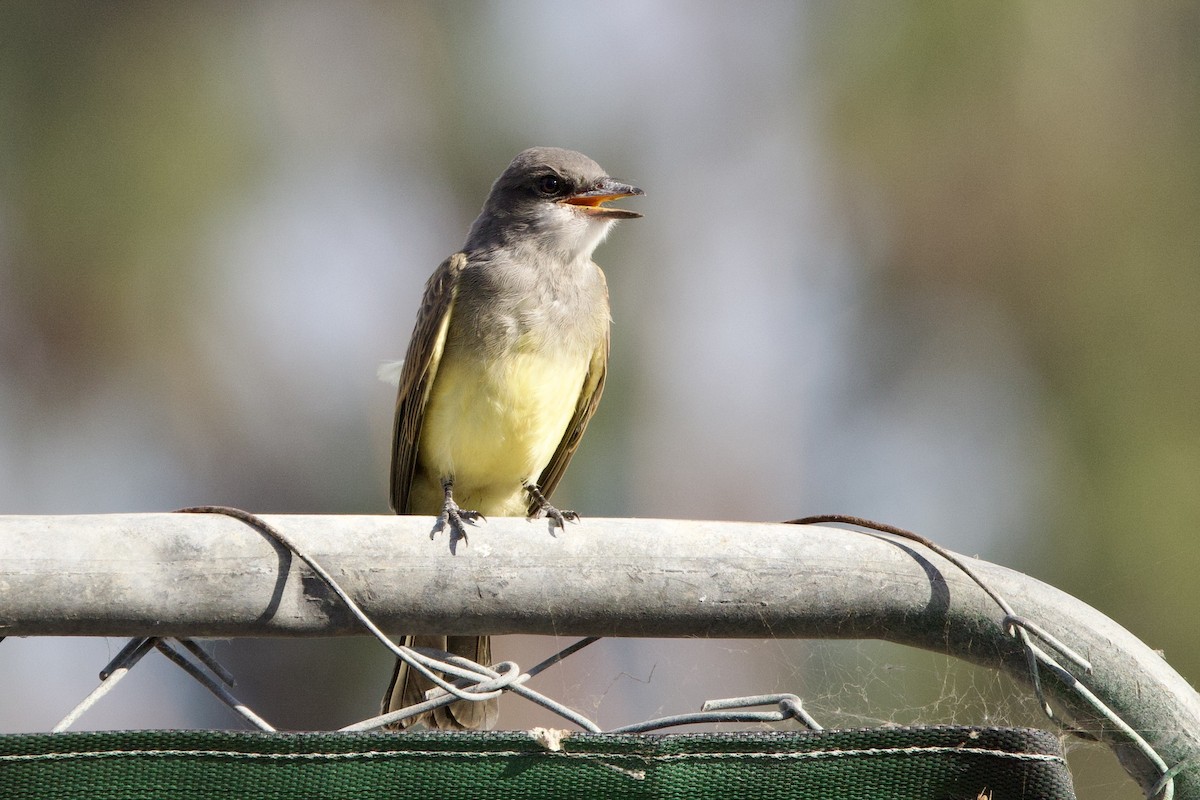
column 1019, row 628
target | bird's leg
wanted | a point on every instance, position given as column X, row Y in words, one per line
column 457, row 518
column 544, row 508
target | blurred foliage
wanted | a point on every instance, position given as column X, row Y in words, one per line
column 1047, row 154
column 118, row 133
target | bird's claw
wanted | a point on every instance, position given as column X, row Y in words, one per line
column 544, row 509
column 456, row 519
column 558, row 517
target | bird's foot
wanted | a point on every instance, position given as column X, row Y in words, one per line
column 544, row 508
column 454, row 517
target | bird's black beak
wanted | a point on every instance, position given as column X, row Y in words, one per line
column 592, row 201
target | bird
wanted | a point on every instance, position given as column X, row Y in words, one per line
column 504, row 370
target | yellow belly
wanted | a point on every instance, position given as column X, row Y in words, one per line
column 494, row 427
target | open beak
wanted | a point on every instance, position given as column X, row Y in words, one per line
column 592, row 201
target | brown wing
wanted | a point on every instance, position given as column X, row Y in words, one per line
column 589, row 398
column 416, row 377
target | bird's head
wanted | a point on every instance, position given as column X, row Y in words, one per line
column 556, row 198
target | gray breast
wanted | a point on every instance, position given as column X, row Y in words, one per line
column 505, row 303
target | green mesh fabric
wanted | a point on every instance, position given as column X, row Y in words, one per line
column 893, row 763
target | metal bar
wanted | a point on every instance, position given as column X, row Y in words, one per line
column 195, row 575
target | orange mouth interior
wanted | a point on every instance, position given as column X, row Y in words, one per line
column 593, row 200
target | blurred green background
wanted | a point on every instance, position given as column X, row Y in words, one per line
column 935, row 264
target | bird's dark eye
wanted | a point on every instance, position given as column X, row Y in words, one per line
column 550, row 185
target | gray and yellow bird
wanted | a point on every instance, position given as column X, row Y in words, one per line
column 504, row 370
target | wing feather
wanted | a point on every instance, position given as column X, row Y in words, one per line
column 416, row 378
column 589, row 398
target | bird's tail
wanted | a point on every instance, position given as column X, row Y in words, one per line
column 408, row 687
